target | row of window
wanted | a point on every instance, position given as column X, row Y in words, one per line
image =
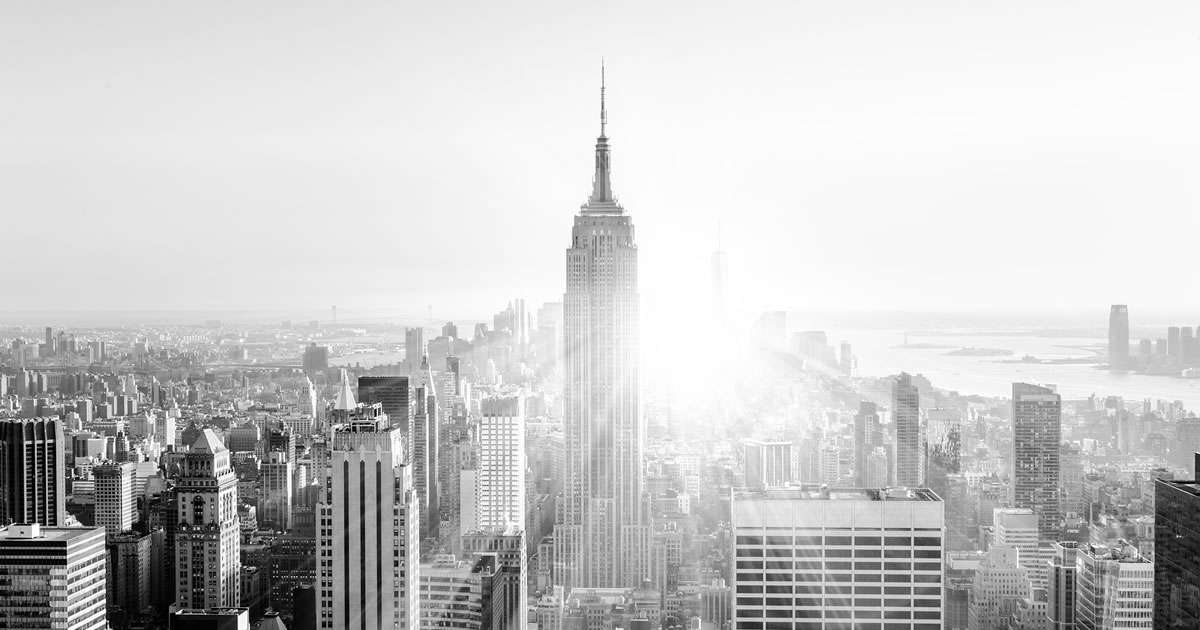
column 837, row 577
column 839, row 565
column 858, row 611
column 833, row 625
column 845, row 541
column 811, row 552
column 828, row 603
column 788, row 589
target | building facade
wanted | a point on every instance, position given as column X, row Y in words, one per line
column 849, row 558
column 52, row 578
column 115, row 509
column 32, row 487
column 910, row 448
column 207, row 546
column 1037, row 434
column 1176, row 554
column 603, row 538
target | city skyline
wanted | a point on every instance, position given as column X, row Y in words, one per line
column 764, row 139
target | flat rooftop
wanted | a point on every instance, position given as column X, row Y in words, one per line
column 14, row 533
column 816, row 493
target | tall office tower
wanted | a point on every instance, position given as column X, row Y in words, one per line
column 414, row 347
column 1114, row 588
column 604, row 536
column 129, row 572
column 276, row 473
column 1071, row 477
column 115, row 508
column 316, row 359
column 1037, row 434
column 906, row 416
column 510, row 589
column 768, row 464
column 866, row 424
column 425, row 457
column 369, row 528
column 1173, row 339
column 394, row 393
column 52, row 577
column 207, row 547
column 1018, row 528
column 1187, row 347
column 1001, row 583
column 878, row 469
column 1118, row 337
column 500, row 477
column 1060, row 587
column 32, row 489
column 843, row 553
column 846, row 358
column 293, row 563
column 1176, row 554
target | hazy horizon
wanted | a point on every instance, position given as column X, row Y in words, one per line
column 856, row 155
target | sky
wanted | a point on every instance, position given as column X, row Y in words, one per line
column 397, row 158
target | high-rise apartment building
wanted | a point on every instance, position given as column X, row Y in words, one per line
column 368, row 526
column 316, row 359
column 1114, row 588
column 1037, row 433
column 1176, row 554
column 32, row 488
column 115, row 508
column 768, row 464
column 500, row 476
column 129, row 574
column 52, row 577
column 910, row 448
column 207, row 547
column 603, row 539
column 1118, row 337
column 837, row 558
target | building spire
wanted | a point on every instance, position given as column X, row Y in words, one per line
column 601, row 182
column 603, row 112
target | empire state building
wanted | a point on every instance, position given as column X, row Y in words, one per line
column 602, row 539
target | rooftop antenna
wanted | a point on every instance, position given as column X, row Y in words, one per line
column 603, row 112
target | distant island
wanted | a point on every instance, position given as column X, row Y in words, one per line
column 979, row 352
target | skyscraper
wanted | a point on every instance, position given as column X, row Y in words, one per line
column 52, row 577
column 115, row 509
column 32, row 489
column 414, row 347
column 1037, row 432
column 424, row 438
column 603, row 539
column 369, row 527
column 1114, row 588
column 866, row 422
column 852, row 558
column 1060, row 587
column 1118, row 337
column 207, row 547
column 906, row 415
column 500, row 478
column 394, row 393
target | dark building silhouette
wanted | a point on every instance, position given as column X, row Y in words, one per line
column 32, row 488
column 394, row 393
column 316, row 358
column 1176, row 554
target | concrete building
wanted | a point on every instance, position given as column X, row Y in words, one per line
column 1060, row 588
column 1018, row 528
column 207, row 546
column 425, row 451
column 833, row 556
column 369, row 525
column 52, row 577
column 115, row 508
column 767, row 464
column 868, row 436
column 129, row 576
column 1001, row 583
